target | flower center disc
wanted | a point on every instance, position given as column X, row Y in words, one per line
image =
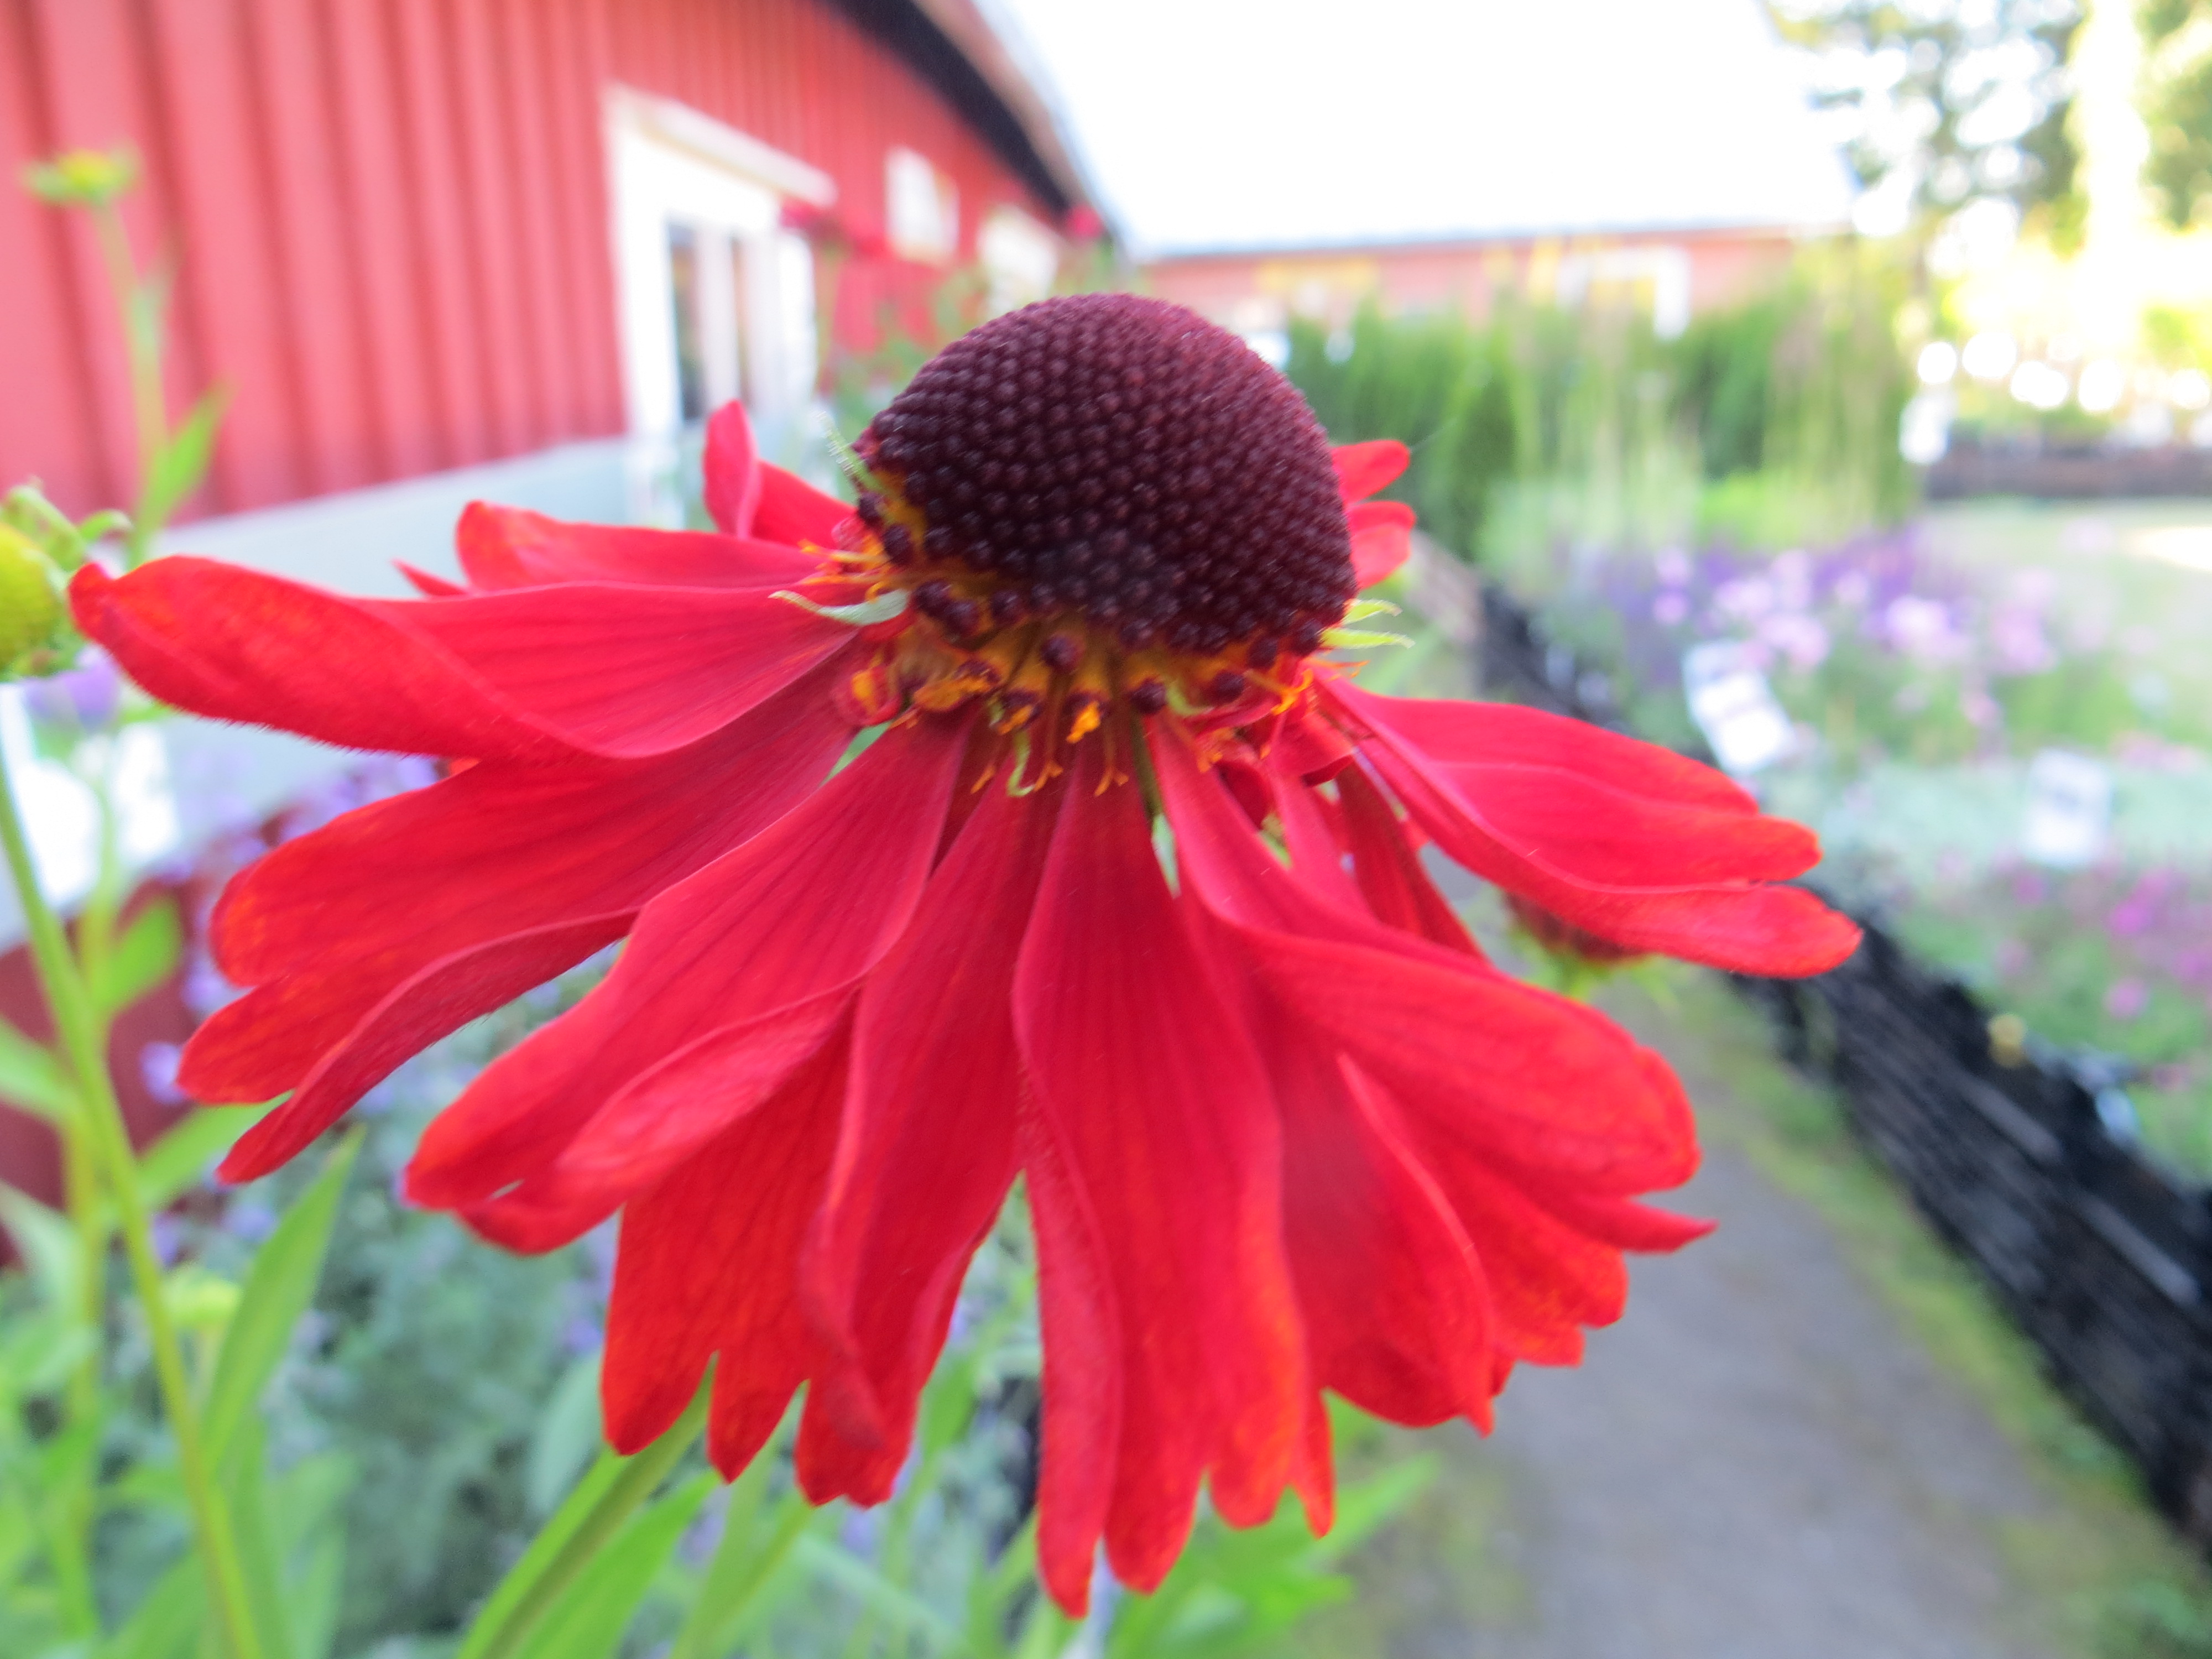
column 1120, row 460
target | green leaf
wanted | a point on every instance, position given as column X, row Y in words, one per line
column 48, row 1245
column 305, row 1503
column 143, row 958
column 182, row 1155
column 261, row 1552
column 167, row 1619
column 179, row 464
column 889, row 1601
column 587, row 1621
column 567, row 1435
column 278, row 1287
column 594, row 1512
column 32, row 1076
column 742, row 1581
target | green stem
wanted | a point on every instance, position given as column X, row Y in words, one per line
column 506, row 1621
column 140, row 337
column 79, row 1029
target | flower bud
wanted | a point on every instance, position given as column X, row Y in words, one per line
column 82, row 178
column 31, row 610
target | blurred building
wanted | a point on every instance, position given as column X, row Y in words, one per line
column 411, row 237
column 1670, row 275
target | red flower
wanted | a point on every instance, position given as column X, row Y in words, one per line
column 1282, row 1128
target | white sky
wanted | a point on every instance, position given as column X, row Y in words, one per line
column 1219, row 123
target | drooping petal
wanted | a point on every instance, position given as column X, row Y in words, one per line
column 1084, row 1361
column 1535, row 1080
column 504, row 547
column 1453, row 731
column 1381, row 539
column 927, row 1149
column 432, row 1003
column 1547, row 1280
column 1389, row 871
column 662, row 1118
column 1637, row 851
column 1149, row 1085
column 1396, row 1312
column 499, row 849
column 625, row 670
column 707, row 1263
column 807, row 905
column 419, row 891
column 1363, row 469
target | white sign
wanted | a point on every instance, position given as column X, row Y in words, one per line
column 2069, row 810
column 1735, row 708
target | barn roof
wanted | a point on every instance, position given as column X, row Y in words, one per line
column 951, row 45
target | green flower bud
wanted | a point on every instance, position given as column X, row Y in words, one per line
column 82, row 178
column 32, row 613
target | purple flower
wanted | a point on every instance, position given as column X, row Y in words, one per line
column 157, row 1067
column 85, row 698
column 2126, row 998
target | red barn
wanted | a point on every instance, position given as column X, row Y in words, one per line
column 417, row 235
column 445, row 249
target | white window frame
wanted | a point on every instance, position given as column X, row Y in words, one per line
column 669, row 164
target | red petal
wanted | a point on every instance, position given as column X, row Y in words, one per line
column 625, row 670
column 499, row 849
column 429, row 586
column 1084, row 1358
column 808, row 905
column 1547, row 1279
column 1618, row 1222
column 732, row 470
column 504, row 547
column 431, row 1004
column 1363, row 469
column 1151, row 1087
column 707, row 1263
column 332, row 924
column 235, row 645
column 1397, row 1317
column 793, row 511
column 532, row 675
column 1381, row 539
column 1531, row 1076
column 927, row 1152
column 662, row 1118
column 1458, row 733
column 1614, row 856
column 1389, row 871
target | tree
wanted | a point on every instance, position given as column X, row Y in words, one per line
column 2177, row 106
column 1947, row 103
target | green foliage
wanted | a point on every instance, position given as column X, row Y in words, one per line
column 2176, row 102
column 1769, row 421
column 1957, row 99
column 1236, row 1592
column 276, row 1291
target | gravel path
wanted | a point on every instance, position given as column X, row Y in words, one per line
column 1757, row 1464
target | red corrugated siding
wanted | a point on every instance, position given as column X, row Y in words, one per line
column 389, row 217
